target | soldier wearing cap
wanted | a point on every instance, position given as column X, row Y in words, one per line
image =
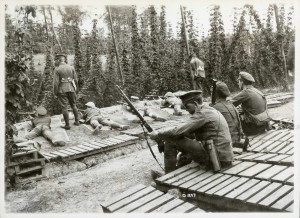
column 171, row 100
column 41, row 127
column 255, row 117
column 229, row 112
column 93, row 116
column 205, row 124
column 198, row 71
column 64, row 88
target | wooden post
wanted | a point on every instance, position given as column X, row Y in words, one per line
column 53, row 31
column 187, row 47
column 279, row 31
column 114, row 41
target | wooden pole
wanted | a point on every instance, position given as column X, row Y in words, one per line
column 187, row 47
column 279, row 31
column 114, row 41
column 53, row 31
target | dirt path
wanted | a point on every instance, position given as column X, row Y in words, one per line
column 83, row 191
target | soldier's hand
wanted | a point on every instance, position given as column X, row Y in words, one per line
column 153, row 135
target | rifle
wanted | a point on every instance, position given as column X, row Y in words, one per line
column 213, row 94
column 143, row 123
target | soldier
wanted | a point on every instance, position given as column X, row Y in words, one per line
column 229, row 112
column 172, row 100
column 198, row 71
column 255, row 118
column 41, row 127
column 65, row 84
column 206, row 125
column 93, row 116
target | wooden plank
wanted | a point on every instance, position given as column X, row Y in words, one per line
column 290, row 181
column 290, row 208
column 59, row 154
column 154, row 204
column 112, row 141
column 238, row 191
column 50, row 155
column 184, row 208
column 73, row 151
column 85, row 148
column 278, row 158
column 198, row 210
column 264, row 193
column 221, row 185
column 181, row 176
column 278, row 194
column 214, row 183
column 281, row 146
column 271, row 172
column 91, row 145
column 106, row 141
column 177, row 172
column 98, row 144
column 272, row 135
column 261, row 136
column 123, row 195
column 67, row 152
column 289, row 160
column 105, row 144
column 243, row 155
column 168, row 206
column 254, row 170
column 196, row 180
column 253, row 190
column 126, row 137
column 284, row 175
column 262, row 146
column 253, row 156
column 286, row 149
column 31, row 169
column 231, row 187
column 284, row 201
column 140, row 202
column 239, row 168
column 205, row 182
column 78, row 149
column 130, row 199
column 264, row 158
column 189, row 177
column 118, row 141
column 272, row 146
column 290, row 151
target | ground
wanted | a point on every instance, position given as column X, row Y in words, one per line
column 83, row 191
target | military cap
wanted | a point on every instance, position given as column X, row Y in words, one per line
column 169, row 94
column 90, row 104
column 190, row 96
column 41, row 110
column 246, row 76
column 59, row 55
column 221, row 87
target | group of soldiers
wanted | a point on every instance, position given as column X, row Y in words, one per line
column 220, row 125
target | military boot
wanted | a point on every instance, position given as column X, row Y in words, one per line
column 66, row 118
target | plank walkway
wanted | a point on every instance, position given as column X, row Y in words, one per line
column 91, row 148
column 259, row 180
column 142, row 199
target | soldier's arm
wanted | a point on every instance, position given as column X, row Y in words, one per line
column 184, row 129
column 55, row 83
column 75, row 76
column 239, row 98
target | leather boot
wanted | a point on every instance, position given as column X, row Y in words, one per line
column 75, row 112
column 66, row 118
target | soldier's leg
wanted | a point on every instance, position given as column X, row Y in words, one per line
column 192, row 147
column 177, row 109
column 63, row 101
column 46, row 132
column 170, row 156
column 112, row 124
column 198, row 83
column 72, row 101
column 35, row 132
column 96, row 125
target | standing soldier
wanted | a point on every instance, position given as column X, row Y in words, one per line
column 255, row 118
column 65, row 84
column 198, row 71
column 229, row 112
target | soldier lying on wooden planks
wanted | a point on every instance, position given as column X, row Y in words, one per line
column 93, row 116
column 41, row 127
column 206, row 125
column 171, row 100
column 255, row 118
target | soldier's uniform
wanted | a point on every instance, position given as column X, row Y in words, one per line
column 172, row 100
column 198, row 72
column 64, row 86
column 41, row 126
column 255, row 118
column 205, row 124
column 229, row 112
